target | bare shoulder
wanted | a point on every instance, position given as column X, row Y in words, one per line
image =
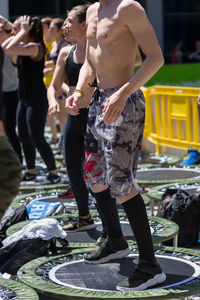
column 92, row 8
column 64, row 52
column 131, row 9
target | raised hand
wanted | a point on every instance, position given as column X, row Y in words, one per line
column 25, row 23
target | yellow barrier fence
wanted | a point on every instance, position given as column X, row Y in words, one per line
column 172, row 117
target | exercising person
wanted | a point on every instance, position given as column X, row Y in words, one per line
column 28, row 45
column 10, row 166
column 116, row 119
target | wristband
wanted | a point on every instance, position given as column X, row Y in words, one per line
column 80, row 93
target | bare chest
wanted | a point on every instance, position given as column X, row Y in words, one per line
column 104, row 30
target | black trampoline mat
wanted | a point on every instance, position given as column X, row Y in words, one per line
column 92, row 235
column 77, row 274
column 166, row 174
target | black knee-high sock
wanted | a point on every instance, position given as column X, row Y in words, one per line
column 103, row 221
column 109, row 214
column 137, row 216
column 102, row 217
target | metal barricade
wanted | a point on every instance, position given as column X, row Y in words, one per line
column 172, row 117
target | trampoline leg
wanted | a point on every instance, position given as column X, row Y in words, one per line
column 175, row 242
column 152, row 207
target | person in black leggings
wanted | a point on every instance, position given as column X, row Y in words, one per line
column 10, row 95
column 68, row 65
column 10, row 167
column 32, row 110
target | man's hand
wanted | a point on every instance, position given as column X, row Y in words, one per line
column 54, row 107
column 71, row 104
column 113, row 108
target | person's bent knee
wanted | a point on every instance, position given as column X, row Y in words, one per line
column 134, row 192
column 99, row 188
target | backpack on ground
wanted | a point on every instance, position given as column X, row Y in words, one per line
column 34, row 240
column 11, row 217
column 183, row 209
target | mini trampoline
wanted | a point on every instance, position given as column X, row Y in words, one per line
column 161, row 229
column 152, row 176
column 41, row 184
column 51, row 196
column 69, row 203
column 156, row 193
column 160, row 159
column 67, row 276
column 10, row 289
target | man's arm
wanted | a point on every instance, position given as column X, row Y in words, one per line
column 136, row 20
column 134, row 17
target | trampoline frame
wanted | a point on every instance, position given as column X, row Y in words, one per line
column 170, row 160
column 28, row 276
column 146, row 183
column 155, row 196
column 22, row 291
column 170, row 228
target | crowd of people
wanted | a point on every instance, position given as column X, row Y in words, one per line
column 87, row 63
column 178, row 55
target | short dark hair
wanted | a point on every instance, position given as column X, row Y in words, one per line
column 58, row 22
column 46, row 20
column 36, row 32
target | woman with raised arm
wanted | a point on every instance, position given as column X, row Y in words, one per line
column 10, row 92
column 28, row 45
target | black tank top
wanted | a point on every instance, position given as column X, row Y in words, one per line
column 30, row 73
column 72, row 69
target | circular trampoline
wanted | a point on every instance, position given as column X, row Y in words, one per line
column 152, row 176
column 42, row 184
column 156, row 193
column 69, row 203
column 160, row 159
column 67, row 276
column 51, row 196
column 10, row 289
column 161, row 229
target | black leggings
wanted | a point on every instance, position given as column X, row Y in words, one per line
column 10, row 101
column 31, row 118
column 74, row 131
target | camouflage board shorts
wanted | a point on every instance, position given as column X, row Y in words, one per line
column 114, row 162
column 10, row 174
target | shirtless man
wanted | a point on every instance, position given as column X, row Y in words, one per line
column 116, row 119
